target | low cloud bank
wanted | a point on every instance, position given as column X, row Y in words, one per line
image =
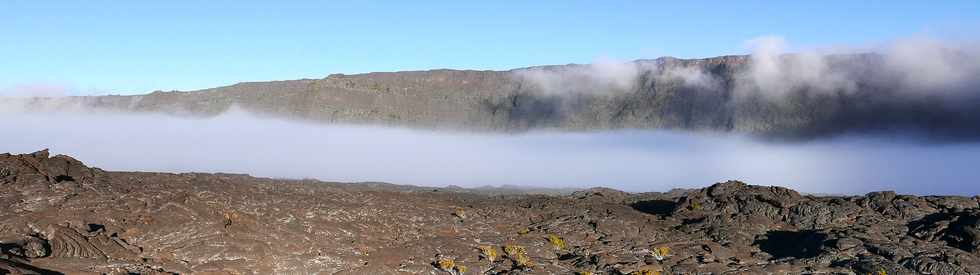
column 630, row 160
column 911, row 88
column 907, row 67
column 920, row 65
column 601, row 76
column 921, row 86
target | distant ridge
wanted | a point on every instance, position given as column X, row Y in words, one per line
column 658, row 93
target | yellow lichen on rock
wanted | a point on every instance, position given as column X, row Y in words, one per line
column 518, row 254
column 513, row 250
column 446, row 264
column 556, row 241
column 460, row 213
column 488, row 252
column 524, row 231
column 660, row 252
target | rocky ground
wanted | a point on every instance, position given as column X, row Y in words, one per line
column 60, row 216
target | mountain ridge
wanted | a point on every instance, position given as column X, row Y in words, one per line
column 713, row 94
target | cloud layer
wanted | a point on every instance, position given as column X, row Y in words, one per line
column 920, row 65
column 913, row 86
column 911, row 66
column 918, row 83
column 629, row 160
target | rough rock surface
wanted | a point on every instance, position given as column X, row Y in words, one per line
column 60, row 216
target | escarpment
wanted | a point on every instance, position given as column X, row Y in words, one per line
column 854, row 93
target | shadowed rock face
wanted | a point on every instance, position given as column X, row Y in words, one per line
column 666, row 93
column 60, row 216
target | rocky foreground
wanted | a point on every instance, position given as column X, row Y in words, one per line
column 59, row 216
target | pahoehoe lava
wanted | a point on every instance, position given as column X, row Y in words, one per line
column 60, row 216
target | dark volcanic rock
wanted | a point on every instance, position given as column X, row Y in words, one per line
column 35, row 247
column 958, row 229
column 62, row 216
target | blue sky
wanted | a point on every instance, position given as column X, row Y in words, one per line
column 128, row 47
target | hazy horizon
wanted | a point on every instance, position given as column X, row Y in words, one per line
column 630, row 160
column 906, row 121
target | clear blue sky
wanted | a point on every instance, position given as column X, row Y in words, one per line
column 138, row 46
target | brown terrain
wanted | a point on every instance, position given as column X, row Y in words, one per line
column 710, row 94
column 60, row 216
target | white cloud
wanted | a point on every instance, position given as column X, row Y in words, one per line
column 602, row 76
column 632, row 160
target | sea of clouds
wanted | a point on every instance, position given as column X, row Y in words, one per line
column 632, row 160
